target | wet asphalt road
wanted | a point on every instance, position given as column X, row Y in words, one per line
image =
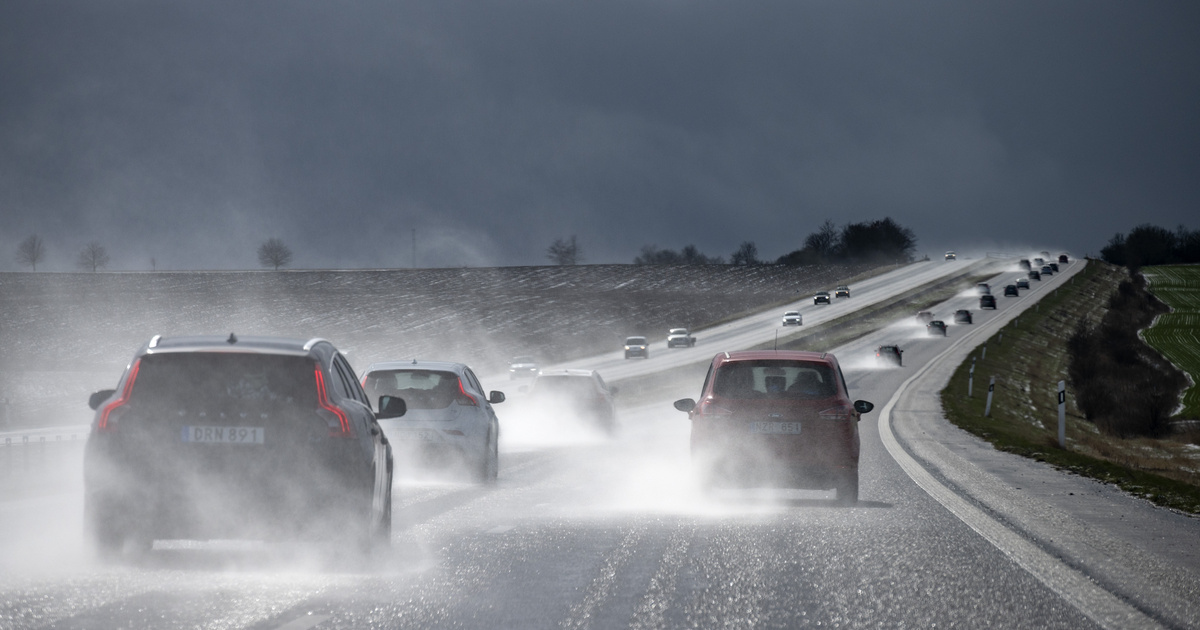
column 580, row 532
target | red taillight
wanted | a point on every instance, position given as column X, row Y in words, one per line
column 342, row 427
column 837, row 413
column 709, row 408
column 107, row 422
column 464, row 398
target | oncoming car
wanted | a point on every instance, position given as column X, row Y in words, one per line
column 449, row 423
column 781, row 419
column 792, row 318
column 842, row 291
column 924, row 317
column 822, row 297
column 522, row 367
column 637, row 347
column 680, row 338
column 951, row 256
column 224, row 438
column 578, row 396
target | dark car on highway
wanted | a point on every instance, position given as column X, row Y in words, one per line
column 842, row 291
column 1034, row 274
column 963, row 316
column 924, row 317
column 1062, row 259
column 892, row 355
column 253, row 438
column 1024, row 264
column 1022, row 283
column 783, row 419
column 1047, row 270
column 1054, row 267
column 1010, row 290
column 576, row 396
column 936, row 327
column 987, row 301
column 821, row 297
column 637, row 347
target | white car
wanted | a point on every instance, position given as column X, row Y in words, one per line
column 792, row 318
column 522, row 367
column 680, row 337
column 449, row 422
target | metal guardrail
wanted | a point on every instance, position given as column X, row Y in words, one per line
column 44, row 436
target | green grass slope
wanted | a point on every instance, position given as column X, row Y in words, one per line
column 1177, row 334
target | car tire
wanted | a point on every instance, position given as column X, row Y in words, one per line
column 487, row 470
column 847, row 488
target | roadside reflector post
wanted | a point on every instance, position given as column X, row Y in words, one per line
column 971, row 378
column 983, row 355
column 987, row 409
column 1001, row 339
column 1062, row 414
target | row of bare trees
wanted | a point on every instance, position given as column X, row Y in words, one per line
column 273, row 252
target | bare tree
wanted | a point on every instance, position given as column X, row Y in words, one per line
column 746, row 254
column 31, row 251
column 274, row 253
column 93, row 256
column 564, row 251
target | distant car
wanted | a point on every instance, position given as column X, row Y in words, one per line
column 1054, row 267
column 776, row 418
column 449, row 423
column 637, row 347
column 983, row 289
column 1038, row 262
column 987, row 301
column 951, row 256
column 936, row 327
column 1034, row 274
column 792, row 318
column 522, row 367
column 1024, row 264
column 924, row 317
column 889, row 354
column 1011, row 291
column 1045, row 254
column 259, row 438
column 1062, row 259
column 963, row 316
column 822, row 297
column 1022, row 283
column 842, row 291
column 575, row 395
column 1047, row 270
column 680, row 338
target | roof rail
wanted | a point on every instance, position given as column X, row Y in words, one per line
column 727, row 355
column 154, row 341
column 312, row 342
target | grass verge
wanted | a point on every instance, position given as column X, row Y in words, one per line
column 1028, row 357
column 1177, row 334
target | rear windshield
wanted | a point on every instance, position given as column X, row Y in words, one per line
column 204, row 379
column 420, row 389
column 774, row 379
column 565, row 385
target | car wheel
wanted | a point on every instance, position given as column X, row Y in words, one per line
column 488, row 467
column 847, row 488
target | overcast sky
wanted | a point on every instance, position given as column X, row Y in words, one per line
column 189, row 132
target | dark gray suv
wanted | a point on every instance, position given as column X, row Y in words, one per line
column 222, row 438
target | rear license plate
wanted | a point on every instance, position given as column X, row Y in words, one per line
column 223, row 435
column 418, row 436
column 785, row 428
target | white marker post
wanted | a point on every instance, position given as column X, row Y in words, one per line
column 987, row 409
column 1062, row 414
column 983, row 357
column 971, row 378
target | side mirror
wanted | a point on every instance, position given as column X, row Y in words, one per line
column 685, row 405
column 496, row 397
column 95, row 399
column 862, row 406
column 391, row 407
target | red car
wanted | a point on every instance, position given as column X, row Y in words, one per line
column 776, row 419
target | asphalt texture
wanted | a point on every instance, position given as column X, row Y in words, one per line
column 582, row 531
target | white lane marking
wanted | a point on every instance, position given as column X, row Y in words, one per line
column 1098, row 604
column 499, row 529
column 303, row 623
